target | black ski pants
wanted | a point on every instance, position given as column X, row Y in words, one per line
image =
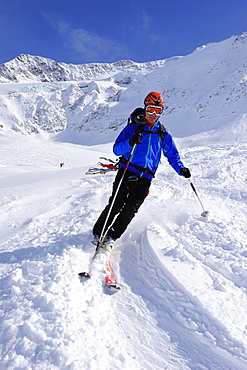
column 130, row 197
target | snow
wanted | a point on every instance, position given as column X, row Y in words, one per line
column 183, row 298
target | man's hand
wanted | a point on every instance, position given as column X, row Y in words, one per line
column 185, row 172
column 135, row 139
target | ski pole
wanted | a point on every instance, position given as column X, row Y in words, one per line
column 115, row 195
column 204, row 213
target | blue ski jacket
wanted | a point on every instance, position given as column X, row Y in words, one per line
column 147, row 154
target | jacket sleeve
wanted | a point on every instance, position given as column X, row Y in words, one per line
column 121, row 145
column 171, row 153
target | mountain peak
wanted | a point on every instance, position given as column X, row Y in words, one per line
column 203, row 91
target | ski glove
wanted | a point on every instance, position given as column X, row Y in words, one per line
column 185, row 172
column 135, row 139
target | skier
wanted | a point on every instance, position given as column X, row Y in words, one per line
column 150, row 138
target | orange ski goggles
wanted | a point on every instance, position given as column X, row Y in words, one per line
column 151, row 109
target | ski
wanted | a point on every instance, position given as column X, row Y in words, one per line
column 84, row 275
column 112, row 166
column 95, row 171
column 109, row 277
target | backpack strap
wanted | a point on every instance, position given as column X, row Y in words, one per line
column 162, row 131
column 139, row 168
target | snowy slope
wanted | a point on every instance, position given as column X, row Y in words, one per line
column 183, row 299
column 184, row 293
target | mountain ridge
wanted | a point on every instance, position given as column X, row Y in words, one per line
column 203, row 91
column 33, row 68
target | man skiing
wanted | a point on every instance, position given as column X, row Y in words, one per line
column 142, row 140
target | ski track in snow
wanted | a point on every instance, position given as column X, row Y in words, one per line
column 183, row 299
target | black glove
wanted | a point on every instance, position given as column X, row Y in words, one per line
column 135, row 139
column 185, row 172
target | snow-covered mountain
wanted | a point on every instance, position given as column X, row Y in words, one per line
column 28, row 68
column 203, row 91
column 183, row 302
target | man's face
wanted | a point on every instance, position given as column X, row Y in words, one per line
column 152, row 118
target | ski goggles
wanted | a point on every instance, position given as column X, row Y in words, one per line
column 151, row 109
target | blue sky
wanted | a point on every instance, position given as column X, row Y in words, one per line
column 79, row 31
